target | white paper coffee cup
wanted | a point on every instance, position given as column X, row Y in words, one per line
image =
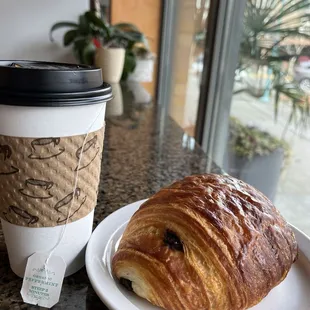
column 46, row 101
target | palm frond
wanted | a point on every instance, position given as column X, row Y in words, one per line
column 285, row 12
column 276, row 105
column 269, row 27
column 273, row 18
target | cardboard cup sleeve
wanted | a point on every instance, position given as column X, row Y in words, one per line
column 37, row 178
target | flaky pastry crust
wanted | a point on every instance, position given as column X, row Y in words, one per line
column 207, row 242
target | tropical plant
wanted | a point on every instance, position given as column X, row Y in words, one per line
column 91, row 32
column 267, row 24
column 139, row 48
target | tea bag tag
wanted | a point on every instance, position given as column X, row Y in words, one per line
column 43, row 281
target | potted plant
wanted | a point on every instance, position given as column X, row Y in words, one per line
column 139, row 63
column 267, row 26
column 255, row 157
column 111, row 47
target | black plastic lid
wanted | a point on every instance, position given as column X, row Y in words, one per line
column 36, row 83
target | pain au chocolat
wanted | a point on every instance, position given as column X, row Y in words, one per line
column 207, row 242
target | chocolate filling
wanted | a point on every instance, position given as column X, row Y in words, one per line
column 126, row 283
column 173, row 241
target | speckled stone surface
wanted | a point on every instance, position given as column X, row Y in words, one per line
column 143, row 152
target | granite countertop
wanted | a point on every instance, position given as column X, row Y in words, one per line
column 143, row 151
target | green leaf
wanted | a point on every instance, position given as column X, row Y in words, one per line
column 80, row 43
column 129, row 64
column 288, row 24
column 89, row 53
column 126, row 35
column 92, row 18
column 131, row 33
column 288, row 9
column 294, row 111
column 126, row 27
column 84, row 27
column 276, row 105
column 281, row 58
column 308, row 106
column 130, row 45
column 61, row 25
column 300, row 105
column 70, row 36
column 78, row 47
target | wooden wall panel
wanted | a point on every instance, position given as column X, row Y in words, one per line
column 146, row 15
column 183, row 43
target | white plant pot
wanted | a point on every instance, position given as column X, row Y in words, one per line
column 111, row 61
column 143, row 71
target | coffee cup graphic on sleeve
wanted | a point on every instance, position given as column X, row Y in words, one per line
column 37, row 189
column 51, row 141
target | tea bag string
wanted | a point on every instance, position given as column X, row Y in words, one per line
column 76, row 179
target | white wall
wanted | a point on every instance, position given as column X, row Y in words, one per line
column 25, row 25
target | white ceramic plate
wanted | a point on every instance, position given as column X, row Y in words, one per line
column 292, row 294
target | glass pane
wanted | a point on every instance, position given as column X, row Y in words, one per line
column 188, row 57
column 269, row 136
